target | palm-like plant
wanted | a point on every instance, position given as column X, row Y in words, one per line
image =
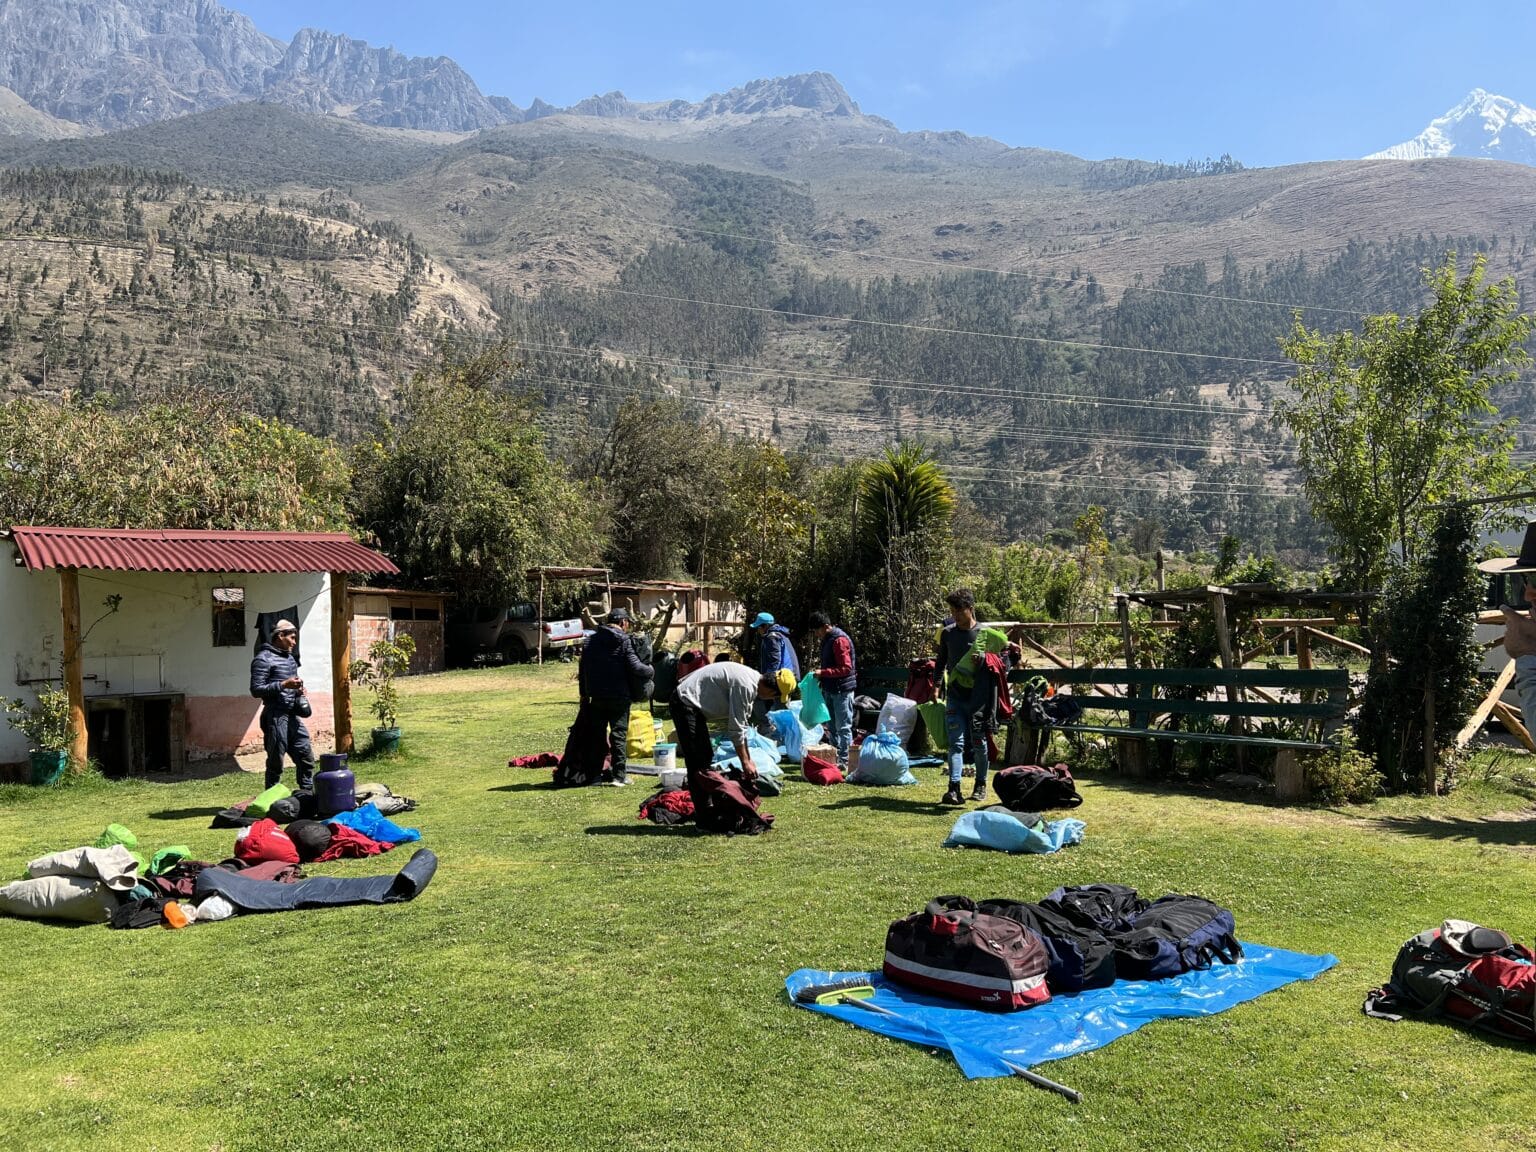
column 904, row 494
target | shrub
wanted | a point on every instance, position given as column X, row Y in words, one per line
column 1343, row 776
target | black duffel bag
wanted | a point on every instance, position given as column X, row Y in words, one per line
column 950, row 949
column 1080, row 956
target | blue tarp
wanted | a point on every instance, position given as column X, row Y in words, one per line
column 1007, row 833
column 1066, row 1025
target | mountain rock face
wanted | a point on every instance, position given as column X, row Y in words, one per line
column 336, row 75
column 112, row 64
column 810, row 92
column 1482, row 125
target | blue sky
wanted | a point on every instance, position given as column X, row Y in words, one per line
column 1271, row 83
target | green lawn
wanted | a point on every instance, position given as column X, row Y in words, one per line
column 574, row 979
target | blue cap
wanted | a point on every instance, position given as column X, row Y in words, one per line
column 760, row 619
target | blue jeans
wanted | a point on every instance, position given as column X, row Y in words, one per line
column 1525, row 685
column 840, row 704
column 284, row 735
column 962, row 729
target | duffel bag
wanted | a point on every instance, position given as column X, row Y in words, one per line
column 1079, row 957
column 1497, row 994
column 1107, row 908
column 950, row 949
column 1461, row 970
column 1176, row 934
column 1030, row 788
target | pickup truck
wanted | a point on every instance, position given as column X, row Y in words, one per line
column 512, row 633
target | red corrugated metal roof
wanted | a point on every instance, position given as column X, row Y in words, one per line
column 187, row 550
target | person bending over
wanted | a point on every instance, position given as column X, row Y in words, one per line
column 722, row 693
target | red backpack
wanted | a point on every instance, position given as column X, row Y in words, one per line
column 819, row 771
column 1497, row 994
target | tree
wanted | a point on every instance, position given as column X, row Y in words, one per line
column 1399, row 417
column 460, row 492
column 180, row 463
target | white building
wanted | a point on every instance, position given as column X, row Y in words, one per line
column 152, row 633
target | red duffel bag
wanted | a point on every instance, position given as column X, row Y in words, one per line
column 264, row 840
column 952, row 950
column 819, row 771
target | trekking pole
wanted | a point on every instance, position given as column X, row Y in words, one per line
column 1019, row 1070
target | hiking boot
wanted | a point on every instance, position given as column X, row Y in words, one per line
column 952, row 796
column 978, row 793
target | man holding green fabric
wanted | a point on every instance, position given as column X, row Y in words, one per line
column 964, row 695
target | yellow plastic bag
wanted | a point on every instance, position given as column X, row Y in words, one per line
column 640, row 743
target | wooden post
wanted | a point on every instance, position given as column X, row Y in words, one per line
column 1479, row 715
column 1123, row 607
column 1429, row 740
column 1162, row 613
column 341, row 663
column 539, row 623
column 1514, row 725
column 1224, row 639
column 74, row 681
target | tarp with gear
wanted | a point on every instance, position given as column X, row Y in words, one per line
column 984, row 1043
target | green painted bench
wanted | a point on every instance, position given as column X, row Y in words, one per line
column 1318, row 714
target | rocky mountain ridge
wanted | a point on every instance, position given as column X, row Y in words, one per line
column 105, row 65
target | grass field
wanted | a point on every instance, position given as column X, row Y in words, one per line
column 574, row 979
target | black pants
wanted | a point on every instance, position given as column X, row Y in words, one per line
column 693, row 740
column 612, row 713
column 285, row 735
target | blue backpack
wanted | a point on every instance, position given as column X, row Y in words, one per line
column 1176, row 934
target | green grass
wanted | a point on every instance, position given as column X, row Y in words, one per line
column 576, row 980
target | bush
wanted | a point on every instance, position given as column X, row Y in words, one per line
column 1343, row 776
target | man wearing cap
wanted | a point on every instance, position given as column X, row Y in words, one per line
column 275, row 682
column 1520, row 628
column 724, row 692
column 609, row 667
column 775, row 653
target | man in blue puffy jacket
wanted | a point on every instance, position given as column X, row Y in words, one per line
column 275, row 682
column 774, row 652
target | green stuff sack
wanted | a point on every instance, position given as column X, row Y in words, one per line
column 259, row 806
column 116, row 834
column 167, row 858
column 933, row 725
column 813, row 706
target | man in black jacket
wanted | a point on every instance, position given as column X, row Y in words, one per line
column 608, row 674
column 275, row 682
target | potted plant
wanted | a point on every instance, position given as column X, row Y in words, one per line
column 46, row 725
column 387, row 658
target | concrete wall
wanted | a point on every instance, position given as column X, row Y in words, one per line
column 161, row 640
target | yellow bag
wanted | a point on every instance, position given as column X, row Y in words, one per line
column 640, row 743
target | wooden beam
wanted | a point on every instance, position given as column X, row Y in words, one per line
column 1060, row 663
column 1128, row 643
column 1431, row 762
column 1513, row 724
column 539, row 626
column 341, row 662
column 1480, row 716
column 1236, row 725
column 1337, row 641
column 74, row 680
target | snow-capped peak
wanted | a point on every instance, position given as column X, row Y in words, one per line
column 1482, row 125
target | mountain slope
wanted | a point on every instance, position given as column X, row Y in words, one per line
column 1483, row 125
column 18, row 118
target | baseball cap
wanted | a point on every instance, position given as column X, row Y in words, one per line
column 761, row 618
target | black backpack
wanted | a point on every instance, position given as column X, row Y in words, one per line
column 1176, row 934
column 1080, row 957
column 585, row 756
column 1029, row 788
column 1107, row 908
column 642, row 688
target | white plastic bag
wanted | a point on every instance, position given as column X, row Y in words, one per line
column 898, row 716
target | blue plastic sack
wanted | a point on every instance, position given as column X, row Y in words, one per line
column 882, row 760
column 375, row 825
column 793, row 736
column 1007, row 833
column 765, row 758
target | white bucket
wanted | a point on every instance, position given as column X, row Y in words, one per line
column 666, row 756
column 673, row 778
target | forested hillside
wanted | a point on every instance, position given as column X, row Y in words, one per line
column 123, row 283
column 1063, row 333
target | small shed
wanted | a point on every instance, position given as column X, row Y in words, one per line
column 152, row 634
column 384, row 613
